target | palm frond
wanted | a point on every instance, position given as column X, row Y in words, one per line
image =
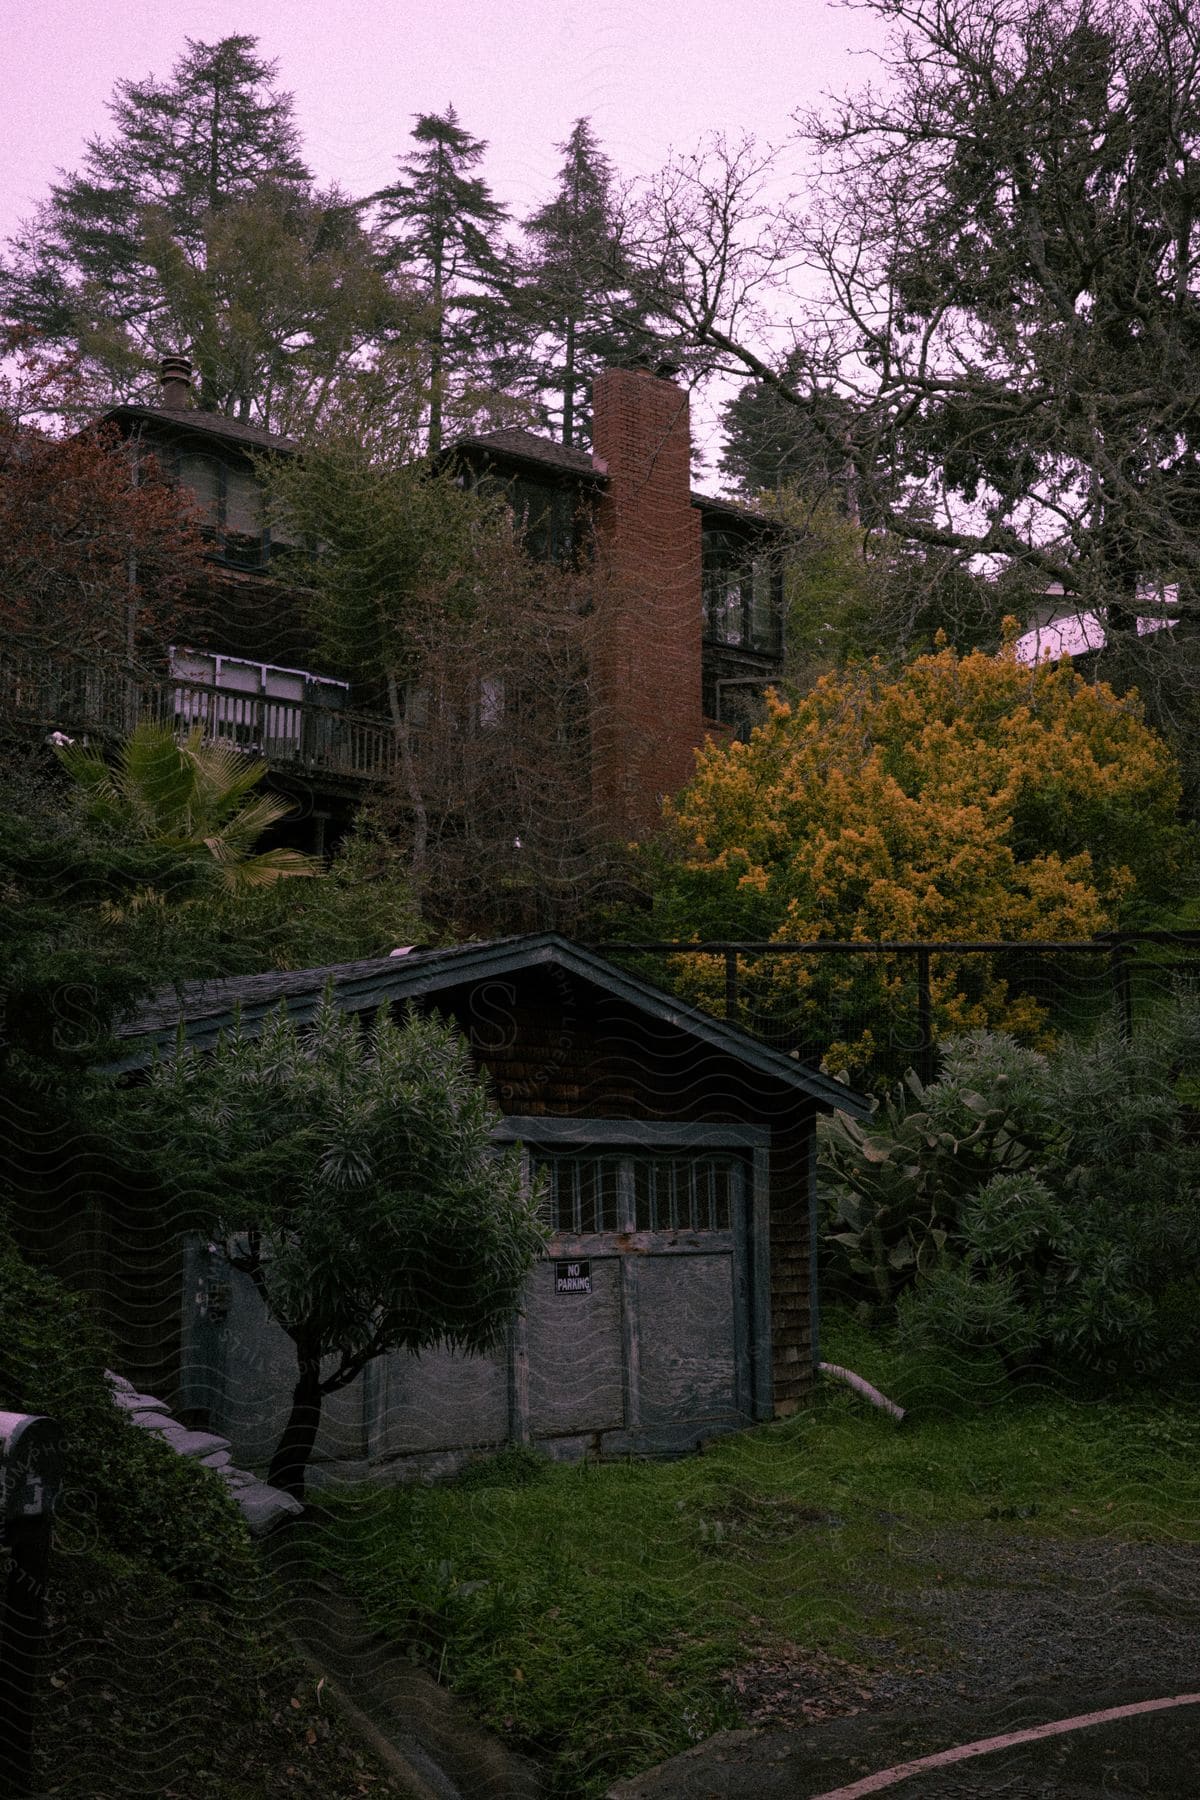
column 192, row 799
column 238, row 872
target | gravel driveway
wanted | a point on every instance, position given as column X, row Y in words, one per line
column 1016, row 1629
column 1019, row 1611
column 1004, row 1612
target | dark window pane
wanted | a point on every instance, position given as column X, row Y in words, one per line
column 582, row 1192
column 764, row 610
column 683, row 1193
column 670, row 1193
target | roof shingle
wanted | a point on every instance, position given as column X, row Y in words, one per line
column 190, row 419
column 529, row 447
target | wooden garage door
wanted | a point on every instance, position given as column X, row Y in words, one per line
column 649, row 1335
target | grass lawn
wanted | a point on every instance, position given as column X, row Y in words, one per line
column 588, row 1612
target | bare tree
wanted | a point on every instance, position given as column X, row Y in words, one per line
column 424, row 596
column 994, row 261
column 502, row 724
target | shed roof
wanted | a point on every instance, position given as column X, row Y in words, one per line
column 207, row 1008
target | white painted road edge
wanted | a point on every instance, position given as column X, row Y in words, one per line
column 886, row 1778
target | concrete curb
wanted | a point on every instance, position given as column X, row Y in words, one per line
column 396, row 1762
column 433, row 1744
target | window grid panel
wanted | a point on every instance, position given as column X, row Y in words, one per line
column 590, row 1194
column 684, row 1193
column 582, row 1194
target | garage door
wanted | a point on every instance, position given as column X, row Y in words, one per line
column 638, row 1322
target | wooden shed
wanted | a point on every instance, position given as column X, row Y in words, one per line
column 678, row 1295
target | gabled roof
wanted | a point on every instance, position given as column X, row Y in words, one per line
column 208, row 1008
column 184, row 421
column 526, row 446
column 512, row 444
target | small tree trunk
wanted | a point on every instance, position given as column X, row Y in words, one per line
column 568, row 410
column 437, row 351
column 412, row 786
column 295, row 1446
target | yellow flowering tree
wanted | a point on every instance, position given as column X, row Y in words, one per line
column 967, row 797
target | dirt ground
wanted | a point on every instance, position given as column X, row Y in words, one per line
column 1020, row 1630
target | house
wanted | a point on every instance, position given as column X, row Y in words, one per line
column 678, row 1295
column 697, row 631
column 251, row 679
column 1061, row 626
column 695, row 635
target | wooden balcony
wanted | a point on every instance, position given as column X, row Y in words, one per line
column 317, row 743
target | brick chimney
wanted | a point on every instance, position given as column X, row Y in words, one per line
column 175, row 379
column 647, row 716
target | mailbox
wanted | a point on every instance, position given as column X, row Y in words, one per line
column 30, row 1466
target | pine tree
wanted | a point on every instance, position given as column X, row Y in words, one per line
column 195, row 226
column 771, row 444
column 216, row 133
column 576, row 280
column 447, row 238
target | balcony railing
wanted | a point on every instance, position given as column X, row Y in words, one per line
column 84, row 699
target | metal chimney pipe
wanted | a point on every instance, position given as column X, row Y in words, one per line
column 175, row 379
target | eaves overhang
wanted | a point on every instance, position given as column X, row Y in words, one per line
column 180, row 423
column 200, row 1012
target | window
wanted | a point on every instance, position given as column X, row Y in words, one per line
column 582, row 1192
column 202, row 474
column 416, row 705
column 243, row 504
column 743, row 595
column 640, row 1192
column 676, row 1193
column 491, row 702
column 764, row 604
column 545, row 517
column 725, row 621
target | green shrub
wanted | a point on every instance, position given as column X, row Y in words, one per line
column 897, row 1183
column 362, row 907
column 1045, row 1211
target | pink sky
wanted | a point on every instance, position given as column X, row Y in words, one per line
column 653, row 75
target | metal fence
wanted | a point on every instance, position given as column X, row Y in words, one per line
column 875, row 1009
